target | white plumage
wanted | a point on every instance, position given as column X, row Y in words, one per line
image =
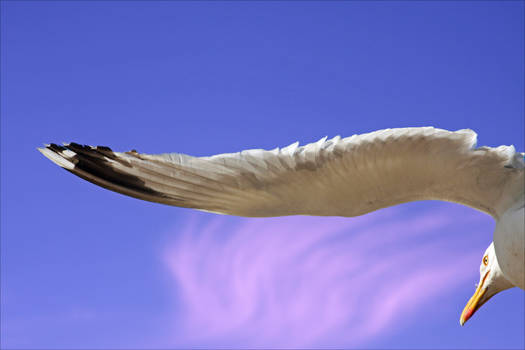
column 342, row 177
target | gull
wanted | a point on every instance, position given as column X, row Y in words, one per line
column 334, row 177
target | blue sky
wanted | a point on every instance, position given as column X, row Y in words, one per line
column 86, row 268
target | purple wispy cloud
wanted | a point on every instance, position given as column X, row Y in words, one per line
column 312, row 281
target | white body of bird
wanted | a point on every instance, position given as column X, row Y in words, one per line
column 509, row 244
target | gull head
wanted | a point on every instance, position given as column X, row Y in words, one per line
column 491, row 282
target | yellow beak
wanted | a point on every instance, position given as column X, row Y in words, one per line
column 474, row 303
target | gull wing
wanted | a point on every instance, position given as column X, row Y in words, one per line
column 336, row 177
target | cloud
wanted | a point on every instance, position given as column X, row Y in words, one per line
column 313, row 281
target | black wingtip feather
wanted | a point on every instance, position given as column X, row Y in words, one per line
column 104, row 149
column 55, row 148
column 92, row 164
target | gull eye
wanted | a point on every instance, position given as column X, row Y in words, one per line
column 485, row 260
